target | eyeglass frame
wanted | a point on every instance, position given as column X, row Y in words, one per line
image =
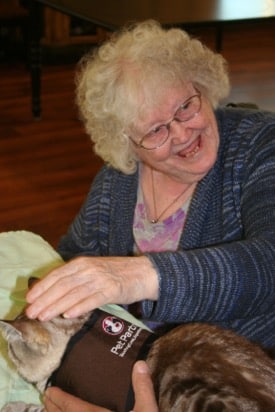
column 168, row 125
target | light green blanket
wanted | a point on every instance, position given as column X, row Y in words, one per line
column 24, row 254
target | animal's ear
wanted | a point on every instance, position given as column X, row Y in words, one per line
column 10, row 333
column 31, row 281
column 30, row 332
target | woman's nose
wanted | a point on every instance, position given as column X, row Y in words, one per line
column 179, row 132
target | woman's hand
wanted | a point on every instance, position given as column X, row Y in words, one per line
column 86, row 283
column 56, row 400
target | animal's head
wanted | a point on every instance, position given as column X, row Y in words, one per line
column 35, row 347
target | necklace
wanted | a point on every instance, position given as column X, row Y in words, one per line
column 157, row 217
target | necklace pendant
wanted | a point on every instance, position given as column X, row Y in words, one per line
column 153, row 221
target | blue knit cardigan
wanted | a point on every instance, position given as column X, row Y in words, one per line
column 224, row 269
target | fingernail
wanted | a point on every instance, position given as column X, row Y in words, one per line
column 142, row 367
column 35, row 314
column 45, row 316
column 31, row 313
column 30, row 296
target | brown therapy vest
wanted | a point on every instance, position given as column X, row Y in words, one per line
column 97, row 365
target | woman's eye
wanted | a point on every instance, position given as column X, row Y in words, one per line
column 155, row 131
column 185, row 106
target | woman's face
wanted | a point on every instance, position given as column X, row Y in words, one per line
column 191, row 148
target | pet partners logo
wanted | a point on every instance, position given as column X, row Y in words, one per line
column 112, row 325
column 128, row 334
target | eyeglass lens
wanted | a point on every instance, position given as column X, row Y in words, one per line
column 158, row 136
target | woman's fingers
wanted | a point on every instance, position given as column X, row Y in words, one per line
column 56, row 292
column 55, row 400
column 77, row 287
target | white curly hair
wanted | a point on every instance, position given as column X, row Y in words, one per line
column 125, row 77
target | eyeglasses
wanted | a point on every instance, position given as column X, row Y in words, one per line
column 158, row 136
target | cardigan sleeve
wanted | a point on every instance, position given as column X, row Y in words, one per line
column 234, row 279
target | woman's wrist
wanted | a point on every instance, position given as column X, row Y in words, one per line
column 143, row 277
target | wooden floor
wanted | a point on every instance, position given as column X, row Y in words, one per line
column 46, row 166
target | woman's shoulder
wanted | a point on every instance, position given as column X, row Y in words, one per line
column 247, row 136
column 108, row 173
column 110, row 181
column 245, row 126
column 243, row 114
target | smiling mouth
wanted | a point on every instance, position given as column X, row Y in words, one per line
column 191, row 151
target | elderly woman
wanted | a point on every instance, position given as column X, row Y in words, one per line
column 182, row 216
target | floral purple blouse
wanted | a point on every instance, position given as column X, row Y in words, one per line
column 157, row 237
